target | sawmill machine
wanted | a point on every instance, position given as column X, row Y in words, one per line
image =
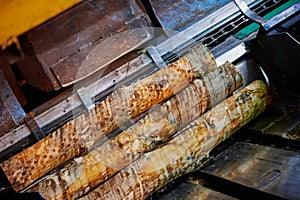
column 66, row 64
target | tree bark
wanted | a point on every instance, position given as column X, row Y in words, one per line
column 184, row 153
column 147, row 134
column 79, row 135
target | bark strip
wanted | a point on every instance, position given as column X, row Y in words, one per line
column 155, row 128
column 78, row 136
column 184, row 153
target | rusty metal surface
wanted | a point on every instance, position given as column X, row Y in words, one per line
column 56, row 49
column 100, row 54
column 271, row 170
column 6, row 58
column 6, row 120
column 283, row 126
column 11, row 112
column 175, row 15
column 282, row 119
column 294, row 133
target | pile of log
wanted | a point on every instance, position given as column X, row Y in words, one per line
column 169, row 140
column 185, row 152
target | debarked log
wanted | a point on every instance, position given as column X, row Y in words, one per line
column 148, row 133
column 185, row 152
column 77, row 136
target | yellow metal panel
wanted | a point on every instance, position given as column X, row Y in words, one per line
column 19, row 16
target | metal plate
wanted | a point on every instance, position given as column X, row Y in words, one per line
column 294, row 133
column 282, row 119
column 8, row 56
column 100, row 54
column 11, row 112
column 58, row 49
column 175, row 15
column 190, row 191
column 271, row 170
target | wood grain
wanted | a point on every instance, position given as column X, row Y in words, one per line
column 184, row 153
column 150, row 132
column 79, row 135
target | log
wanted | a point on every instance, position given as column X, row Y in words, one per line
column 79, row 135
column 185, row 152
column 148, row 133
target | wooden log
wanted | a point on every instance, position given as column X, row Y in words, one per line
column 79, row 135
column 147, row 134
column 185, row 152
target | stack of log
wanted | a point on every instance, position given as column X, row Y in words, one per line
column 170, row 139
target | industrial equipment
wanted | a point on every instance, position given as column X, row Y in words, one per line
column 61, row 70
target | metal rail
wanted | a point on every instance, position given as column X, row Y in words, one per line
column 267, row 24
